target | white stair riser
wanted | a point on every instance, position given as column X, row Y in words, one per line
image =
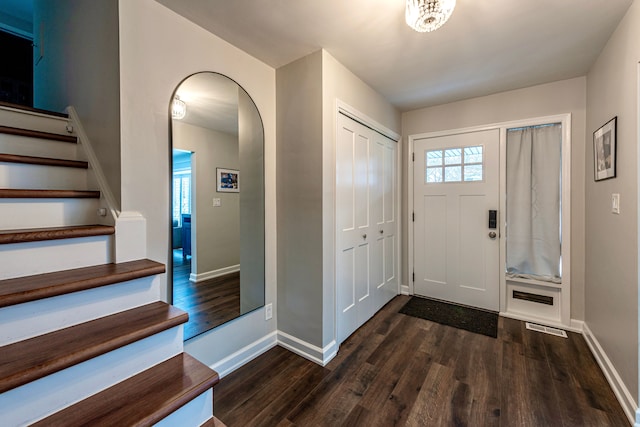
column 33, row 121
column 36, row 147
column 38, row 213
column 43, row 397
column 25, row 259
column 39, row 317
column 195, row 413
column 28, row 176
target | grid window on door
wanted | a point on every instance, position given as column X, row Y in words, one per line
column 463, row 164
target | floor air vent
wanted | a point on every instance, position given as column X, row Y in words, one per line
column 547, row 330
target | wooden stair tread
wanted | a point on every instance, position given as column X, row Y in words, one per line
column 34, row 358
column 38, row 134
column 54, row 233
column 143, row 399
column 12, row 193
column 30, row 288
column 43, row 161
column 214, row 422
column 33, row 110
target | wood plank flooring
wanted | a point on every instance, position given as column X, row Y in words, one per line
column 398, row 370
column 209, row 303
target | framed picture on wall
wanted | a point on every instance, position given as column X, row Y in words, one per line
column 604, row 151
column 228, row 180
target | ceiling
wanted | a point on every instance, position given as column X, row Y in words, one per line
column 486, row 47
column 212, row 102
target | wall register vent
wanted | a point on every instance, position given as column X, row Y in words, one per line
column 546, row 330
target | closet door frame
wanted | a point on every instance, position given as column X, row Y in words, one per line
column 345, row 109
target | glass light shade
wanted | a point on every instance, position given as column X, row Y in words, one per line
column 428, row 15
column 178, row 108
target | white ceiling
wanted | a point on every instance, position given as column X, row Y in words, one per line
column 486, row 47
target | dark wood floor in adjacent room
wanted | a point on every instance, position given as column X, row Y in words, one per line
column 398, row 370
column 210, row 303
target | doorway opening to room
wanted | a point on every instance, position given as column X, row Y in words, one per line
column 16, row 69
column 181, row 215
column 489, row 218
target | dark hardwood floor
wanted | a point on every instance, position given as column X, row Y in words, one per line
column 398, row 370
column 209, row 303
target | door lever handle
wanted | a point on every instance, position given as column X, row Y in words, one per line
column 364, row 236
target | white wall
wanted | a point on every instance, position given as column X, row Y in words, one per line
column 80, row 68
column 567, row 96
column 308, row 91
column 216, row 244
column 158, row 49
column 300, row 199
column 611, row 311
column 339, row 83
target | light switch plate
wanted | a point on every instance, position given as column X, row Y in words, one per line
column 268, row 311
column 615, row 203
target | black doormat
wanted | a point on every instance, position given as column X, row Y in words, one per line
column 461, row 317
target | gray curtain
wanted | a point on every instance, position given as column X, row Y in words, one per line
column 533, row 202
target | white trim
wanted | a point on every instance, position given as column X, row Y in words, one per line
column 85, row 142
column 321, row 356
column 131, row 237
column 638, row 222
column 245, row 355
column 18, row 32
column 358, row 116
column 35, row 113
column 575, row 325
column 405, row 290
column 623, row 395
column 197, row 278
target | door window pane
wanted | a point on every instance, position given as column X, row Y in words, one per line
column 473, row 154
column 453, row 156
column 473, row 173
column 434, row 175
column 434, row 158
column 460, row 164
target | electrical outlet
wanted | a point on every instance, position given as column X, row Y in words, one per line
column 268, row 311
column 217, row 202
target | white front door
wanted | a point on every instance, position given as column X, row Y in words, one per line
column 456, row 254
column 366, row 235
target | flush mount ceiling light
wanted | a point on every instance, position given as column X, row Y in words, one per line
column 178, row 108
column 428, row 15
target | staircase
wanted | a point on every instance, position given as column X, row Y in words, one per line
column 83, row 340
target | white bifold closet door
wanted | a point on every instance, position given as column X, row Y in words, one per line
column 367, row 227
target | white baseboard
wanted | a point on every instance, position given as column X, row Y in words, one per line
column 629, row 406
column 404, row 290
column 214, row 273
column 245, row 355
column 321, row 356
column 575, row 326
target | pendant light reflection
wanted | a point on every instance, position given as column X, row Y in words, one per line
column 178, row 108
column 428, row 15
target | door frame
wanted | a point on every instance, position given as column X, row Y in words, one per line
column 343, row 108
column 565, row 119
